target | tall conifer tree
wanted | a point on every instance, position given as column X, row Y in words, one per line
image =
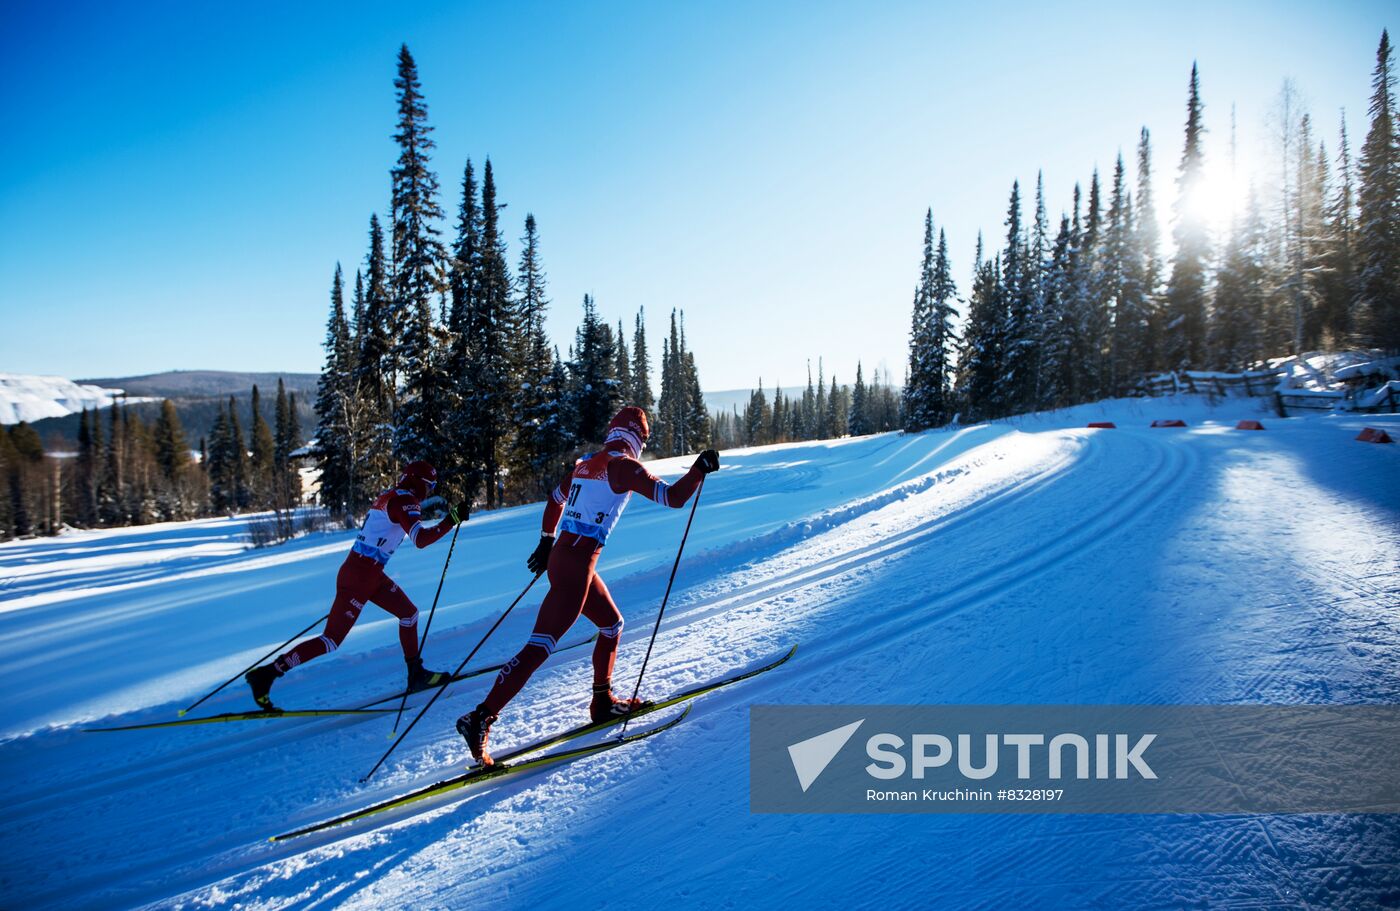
column 1185, row 329
column 1378, row 197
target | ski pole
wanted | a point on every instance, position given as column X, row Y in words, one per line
column 442, row 689
column 429, row 625
column 659, row 614
column 251, row 666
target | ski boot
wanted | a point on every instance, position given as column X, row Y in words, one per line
column 421, row 679
column 607, row 707
column 260, row 680
column 475, row 727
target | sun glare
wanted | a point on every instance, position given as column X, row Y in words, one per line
column 1218, row 196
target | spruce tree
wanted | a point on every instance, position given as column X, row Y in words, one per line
column 418, row 255
column 262, row 465
column 89, row 454
column 237, row 455
column 111, row 504
column 698, row 429
column 597, row 396
column 919, row 391
column 860, row 406
column 369, row 410
column 837, row 410
column 1054, row 321
column 1312, row 179
column 1018, row 333
column 807, row 423
column 542, row 435
column 216, row 462
column 1037, row 280
column 492, row 340
column 464, row 277
column 1240, row 293
column 757, row 417
column 943, row 294
column 1091, row 298
column 1378, row 221
column 172, row 453
column 980, row 365
column 334, row 441
column 1184, row 341
column 1337, row 278
column 672, row 408
column 288, row 440
column 641, row 395
column 622, row 366
column 1149, row 264
column 1127, row 299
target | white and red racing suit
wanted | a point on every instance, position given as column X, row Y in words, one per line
column 394, row 516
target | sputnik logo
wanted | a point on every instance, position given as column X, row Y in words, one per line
column 810, row 757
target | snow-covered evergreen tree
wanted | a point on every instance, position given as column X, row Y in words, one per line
column 1127, row 306
column 1337, row 279
column 1018, row 333
column 543, row 434
column 1185, row 329
column 492, row 343
column 859, row 422
column 1378, row 198
column 419, row 258
column 1148, row 243
column 593, row 374
column 1240, row 293
column 981, row 363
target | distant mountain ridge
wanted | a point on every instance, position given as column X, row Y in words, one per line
column 198, row 396
column 198, row 383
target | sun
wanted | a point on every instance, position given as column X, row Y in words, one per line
column 1217, row 197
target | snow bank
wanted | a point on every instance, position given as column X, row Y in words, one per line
column 25, row 397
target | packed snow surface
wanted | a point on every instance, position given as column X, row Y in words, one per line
column 24, row 397
column 1027, row 562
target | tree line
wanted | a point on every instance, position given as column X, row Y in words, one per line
column 821, row 412
column 128, row 472
column 441, row 352
column 1086, row 310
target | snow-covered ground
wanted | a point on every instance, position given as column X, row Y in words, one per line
column 1027, row 562
column 26, row 397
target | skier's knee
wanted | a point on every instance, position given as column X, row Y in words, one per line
column 611, row 632
column 331, row 643
column 544, row 641
column 410, row 620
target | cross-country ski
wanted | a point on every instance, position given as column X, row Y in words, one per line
column 507, row 765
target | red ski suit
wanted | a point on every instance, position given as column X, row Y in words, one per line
column 574, row 584
column 393, row 517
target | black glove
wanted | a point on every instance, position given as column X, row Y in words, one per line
column 708, row 461
column 539, row 560
column 460, row 513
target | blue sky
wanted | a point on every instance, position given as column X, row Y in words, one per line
column 177, row 184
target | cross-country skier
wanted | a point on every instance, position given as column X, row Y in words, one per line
column 393, row 517
column 590, row 499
